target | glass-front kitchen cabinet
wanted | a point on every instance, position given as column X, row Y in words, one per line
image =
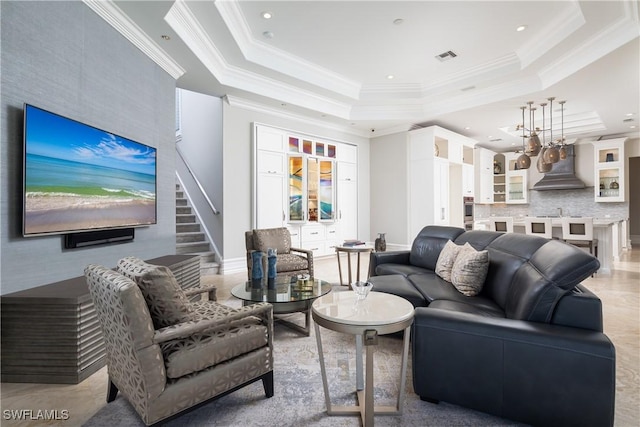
column 517, row 180
column 311, row 189
column 609, row 170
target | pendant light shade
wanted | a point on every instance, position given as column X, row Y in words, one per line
column 563, row 153
column 524, row 161
column 533, row 145
column 542, row 166
column 552, row 155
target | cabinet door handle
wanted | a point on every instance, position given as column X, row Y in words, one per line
column 283, row 217
column 315, row 232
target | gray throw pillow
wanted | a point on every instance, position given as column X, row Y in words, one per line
column 469, row 270
column 166, row 300
column 446, row 259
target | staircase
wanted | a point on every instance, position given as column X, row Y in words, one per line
column 190, row 239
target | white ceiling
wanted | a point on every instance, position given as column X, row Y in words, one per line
column 329, row 61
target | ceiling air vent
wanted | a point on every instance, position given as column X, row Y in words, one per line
column 495, row 140
column 445, row 56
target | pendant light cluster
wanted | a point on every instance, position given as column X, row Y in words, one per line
column 548, row 154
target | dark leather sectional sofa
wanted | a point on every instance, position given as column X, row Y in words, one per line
column 530, row 347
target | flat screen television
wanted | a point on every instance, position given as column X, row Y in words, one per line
column 81, row 178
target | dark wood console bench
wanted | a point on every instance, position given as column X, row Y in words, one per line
column 50, row 333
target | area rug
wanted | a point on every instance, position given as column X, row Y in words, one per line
column 299, row 396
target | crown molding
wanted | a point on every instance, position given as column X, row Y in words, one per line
column 594, row 48
column 387, row 112
column 183, row 21
column 275, row 59
column 246, row 104
column 555, row 31
column 114, row 16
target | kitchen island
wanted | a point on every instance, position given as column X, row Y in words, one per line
column 610, row 233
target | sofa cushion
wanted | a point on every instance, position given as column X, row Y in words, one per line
column 427, row 245
column 469, row 306
column 275, row 238
column 446, row 259
column 434, row 288
column 200, row 351
column 167, row 302
column 469, row 270
column 397, row 284
column 403, row 269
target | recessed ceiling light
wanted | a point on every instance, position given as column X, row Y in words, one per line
column 390, row 77
column 521, row 28
column 632, row 126
column 629, row 114
column 268, row 35
column 398, row 21
column 467, row 127
column 267, row 15
column 165, row 37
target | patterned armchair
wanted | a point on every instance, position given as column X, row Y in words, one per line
column 166, row 354
column 290, row 261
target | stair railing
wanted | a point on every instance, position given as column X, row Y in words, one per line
column 197, row 181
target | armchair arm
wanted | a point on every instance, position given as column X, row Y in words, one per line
column 392, row 257
column 309, row 254
column 262, row 310
column 533, row 372
column 201, row 289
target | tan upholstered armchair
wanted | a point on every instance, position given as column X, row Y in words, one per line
column 290, row 261
column 166, row 354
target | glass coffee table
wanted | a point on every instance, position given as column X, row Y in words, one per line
column 288, row 295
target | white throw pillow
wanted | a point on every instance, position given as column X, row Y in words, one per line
column 469, row 270
column 446, row 259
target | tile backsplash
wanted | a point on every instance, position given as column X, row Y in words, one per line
column 551, row 202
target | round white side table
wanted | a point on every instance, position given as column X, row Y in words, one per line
column 378, row 314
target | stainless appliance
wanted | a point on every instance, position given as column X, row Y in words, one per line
column 468, row 213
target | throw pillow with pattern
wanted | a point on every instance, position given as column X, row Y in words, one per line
column 470, row 270
column 446, row 259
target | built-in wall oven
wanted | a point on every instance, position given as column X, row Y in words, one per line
column 468, row 213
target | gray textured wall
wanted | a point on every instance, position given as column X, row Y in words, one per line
column 62, row 57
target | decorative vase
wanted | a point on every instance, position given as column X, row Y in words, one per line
column 380, row 243
column 272, row 257
column 614, row 185
column 256, row 266
column 609, row 157
column 497, row 168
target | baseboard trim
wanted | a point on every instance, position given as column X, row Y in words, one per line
column 233, row 265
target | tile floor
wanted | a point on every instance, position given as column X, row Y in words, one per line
column 619, row 291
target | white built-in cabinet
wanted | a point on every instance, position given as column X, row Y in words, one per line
column 307, row 184
column 517, row 180
column 484, row 175
column 440, row 174
column 609, row 169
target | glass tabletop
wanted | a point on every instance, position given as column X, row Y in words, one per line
column 285, row 289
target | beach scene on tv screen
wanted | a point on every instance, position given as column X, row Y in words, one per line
column 80, row 178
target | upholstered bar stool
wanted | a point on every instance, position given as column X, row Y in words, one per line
column 501, row 223
column 537, row 226
column 579, row 232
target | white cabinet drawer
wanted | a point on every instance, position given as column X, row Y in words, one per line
column 331, row 233
column 313, row 233
column 318, row 247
